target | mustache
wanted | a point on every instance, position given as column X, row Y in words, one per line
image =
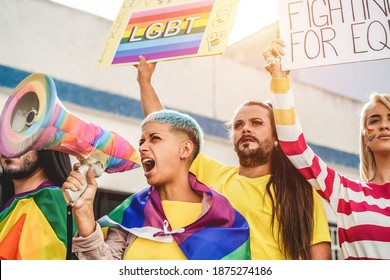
column 251, row 137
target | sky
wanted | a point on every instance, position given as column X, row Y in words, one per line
column 252, row 14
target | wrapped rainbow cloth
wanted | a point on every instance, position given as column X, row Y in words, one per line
column 33, row 225
column 220, row 233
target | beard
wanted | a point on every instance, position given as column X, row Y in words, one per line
column 255, row 157
column 28, row 166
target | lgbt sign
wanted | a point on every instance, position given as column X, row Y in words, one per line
column 168, row 29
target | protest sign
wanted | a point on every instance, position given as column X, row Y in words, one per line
column 168, row 29
column 324, row 32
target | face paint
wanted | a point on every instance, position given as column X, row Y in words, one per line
column 370, row 134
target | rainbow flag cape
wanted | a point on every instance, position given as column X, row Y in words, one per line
column 33, row 225
column 220, row 233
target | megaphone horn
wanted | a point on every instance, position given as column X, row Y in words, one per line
column 34, row 118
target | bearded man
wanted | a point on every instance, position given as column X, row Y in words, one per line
column 33, row 222
column 286, row 217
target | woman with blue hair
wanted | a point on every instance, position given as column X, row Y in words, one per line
column 177, row 217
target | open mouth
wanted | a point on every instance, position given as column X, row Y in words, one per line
column 148, row 164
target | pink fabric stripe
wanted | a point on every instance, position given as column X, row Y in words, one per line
column 293, row 148
column 362, row 258
column 369, row 189
column 348, row 207
column 312, row 171
column 329, row 183
column 376, row 191
column 364, row 232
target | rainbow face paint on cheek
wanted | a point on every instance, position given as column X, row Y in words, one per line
column 370, row 134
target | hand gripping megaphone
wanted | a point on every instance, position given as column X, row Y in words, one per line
column 34, row 118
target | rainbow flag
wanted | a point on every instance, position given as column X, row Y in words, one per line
column 33, row 225
column 170, row 31
column 221, row 228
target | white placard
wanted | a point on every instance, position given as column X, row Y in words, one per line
column 325, row 32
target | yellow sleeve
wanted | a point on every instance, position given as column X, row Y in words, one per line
column 321, row 226
column 205, row 168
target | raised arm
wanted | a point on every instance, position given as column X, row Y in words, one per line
column 291, row 138
column 150, row 100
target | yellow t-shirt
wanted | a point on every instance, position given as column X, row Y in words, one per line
column 179, row 214
column 249, row 197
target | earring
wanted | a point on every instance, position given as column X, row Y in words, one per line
column 276, row 144
column 182, row 157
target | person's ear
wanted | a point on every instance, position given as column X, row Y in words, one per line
column 364, row 138
column 186, row 149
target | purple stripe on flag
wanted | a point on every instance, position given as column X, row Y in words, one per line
column 158, row 48
column 158, row 55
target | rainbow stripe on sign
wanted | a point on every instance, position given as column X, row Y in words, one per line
column 164, row 32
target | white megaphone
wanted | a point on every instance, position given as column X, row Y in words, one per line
column 34, row 118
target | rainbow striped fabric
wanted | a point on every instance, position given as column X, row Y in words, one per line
column 55, row 128
column 33, row 225
column 220, row 233
column 170, row 31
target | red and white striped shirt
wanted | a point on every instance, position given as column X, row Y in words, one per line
column 362, row 209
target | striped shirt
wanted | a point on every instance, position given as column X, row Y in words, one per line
column 362, row 209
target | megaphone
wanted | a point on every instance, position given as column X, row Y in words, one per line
column 34, row 118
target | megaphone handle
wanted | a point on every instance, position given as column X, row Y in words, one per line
column 72, row 196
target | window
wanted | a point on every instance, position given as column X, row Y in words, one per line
column 335, row 247
column 106, row 201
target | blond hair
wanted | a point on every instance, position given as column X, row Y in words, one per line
column 367, row 161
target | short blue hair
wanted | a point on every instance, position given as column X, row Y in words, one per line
column 180, row 122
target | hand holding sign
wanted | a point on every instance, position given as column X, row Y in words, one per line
column 145, row 72
column 273, row 56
